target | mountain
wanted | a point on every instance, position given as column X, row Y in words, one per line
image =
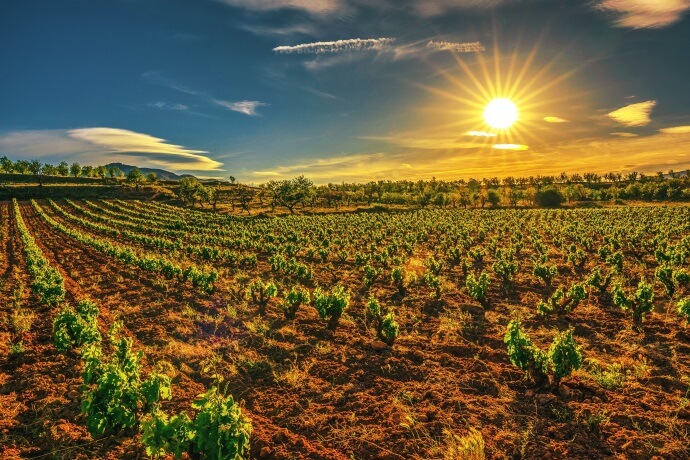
column 161, row 173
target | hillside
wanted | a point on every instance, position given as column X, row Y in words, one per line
column 161, row 173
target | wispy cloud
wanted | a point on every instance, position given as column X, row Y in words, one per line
column 439, row 7
column 515, row 147
column 555, row 120
column 480, row 134
column 102, row 145
column 168, row 106
column 277, row 31
column 159, row 78
column 245, row 107
column 456, row 47
column 645, row 14
column 676, row 130
column 337, row 46
column 624, row 134
column 634, row 114
column 315, row 7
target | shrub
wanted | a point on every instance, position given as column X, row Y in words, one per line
column 386, row 327
column 402, row 280
column 563, row 302
column 564, row 356
column 599, row 281
column 561, row 359
column 114, row 393
column 75, row 328
column 479, row 288
column 220, row 430
column 684, row 309
column 296, row 297
column 523, row 354
column 261, row 293
column 544, row 272
column 331, row 305
column 640, row 304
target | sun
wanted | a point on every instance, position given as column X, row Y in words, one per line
column 501, row 113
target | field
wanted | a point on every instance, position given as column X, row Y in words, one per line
column 183, row 284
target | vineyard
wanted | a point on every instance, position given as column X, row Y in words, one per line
column 137, row 329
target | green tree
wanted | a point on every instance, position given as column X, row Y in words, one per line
column 135, row 177
column 291, row 192
column 75, row 169
column 63, row 169
column 6, row 164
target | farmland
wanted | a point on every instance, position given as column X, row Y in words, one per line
column 356, row 335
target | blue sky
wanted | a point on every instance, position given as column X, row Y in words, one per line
column 347, row 90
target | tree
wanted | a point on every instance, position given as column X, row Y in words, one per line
column 35, row 167
column 493, row 197
column 114, row 171
column 21, row 166
column 100, row 171
column 549, row 197
column 136, row 177
column 232, row 179
column 290, row 192
column 75, row 169
column 192, row 191
column 6, row 164
column 63, row 169
column 151, row 177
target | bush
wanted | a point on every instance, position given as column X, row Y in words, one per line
column 331, row 305
column 564, row 356
column 75, row 328
column 684, row 309
column 640, row 304
column 479, row 288
column 220, row 430
column 386, row 327
column 114, row 393
column 261, row 293
column 296, row 297
column 549, row 197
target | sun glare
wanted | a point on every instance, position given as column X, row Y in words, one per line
column 501, row 113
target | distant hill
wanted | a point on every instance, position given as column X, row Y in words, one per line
column 161, row 173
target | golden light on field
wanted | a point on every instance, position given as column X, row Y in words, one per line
column 501, row 113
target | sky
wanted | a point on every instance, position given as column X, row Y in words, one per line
column 347, row 90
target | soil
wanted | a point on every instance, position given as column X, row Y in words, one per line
column 312, row 394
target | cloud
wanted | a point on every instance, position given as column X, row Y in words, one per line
column 286, row 31
column 168, row 106
column 676, row 130
column 245, row 107
column 338, row 46
column 645, row 14
column 515, row 147
column 624, row 134
column 315, row 7
column 634, row 114
column 439, row 7
column 555, row 120
column 468, row 47
column 159, row 78
column 480, row 134
column 103, row 145
column 414, row 141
